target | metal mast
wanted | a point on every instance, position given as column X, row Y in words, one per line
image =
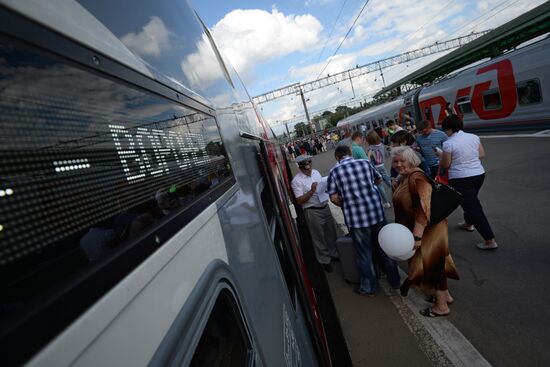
column 376, row 66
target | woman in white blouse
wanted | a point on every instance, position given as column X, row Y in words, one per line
column 461, row 157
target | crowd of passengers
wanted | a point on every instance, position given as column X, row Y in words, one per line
column 419, row 154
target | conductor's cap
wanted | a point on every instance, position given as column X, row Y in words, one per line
column 302, row 160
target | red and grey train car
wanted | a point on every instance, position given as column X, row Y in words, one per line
column 511, row 91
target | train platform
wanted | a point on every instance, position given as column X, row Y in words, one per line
column 388, row 330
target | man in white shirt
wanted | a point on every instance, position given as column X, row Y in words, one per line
column 316, row 210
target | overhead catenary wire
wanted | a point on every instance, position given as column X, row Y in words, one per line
column 331, row 31
column 485, row 14
column 346, row 36
column 471, row 29
column 472, row 24
column 326, row 43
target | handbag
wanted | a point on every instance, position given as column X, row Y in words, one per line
column 444, row 200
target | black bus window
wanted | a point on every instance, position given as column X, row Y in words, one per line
column 224, row 341
column 529, row 92
column 491, row 100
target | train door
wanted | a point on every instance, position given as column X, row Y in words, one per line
column 275, row 203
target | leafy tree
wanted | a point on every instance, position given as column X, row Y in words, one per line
column 342, row 109
column 302, row 129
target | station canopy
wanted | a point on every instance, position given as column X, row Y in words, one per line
column 527, row 26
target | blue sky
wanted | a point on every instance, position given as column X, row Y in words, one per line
column 272, row 44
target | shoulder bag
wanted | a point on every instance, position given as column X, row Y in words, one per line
column 444, row 200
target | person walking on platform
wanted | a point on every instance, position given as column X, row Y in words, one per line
column 430, row 141
column 431, row 264
column 352, row 185
column 317, row 212
column 357, row 150
column 461, row 156
column 375, row 152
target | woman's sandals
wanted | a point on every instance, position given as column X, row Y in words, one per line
column 428, row 312
column 433, row 299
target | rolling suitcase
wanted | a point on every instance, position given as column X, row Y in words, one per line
column 348, row 259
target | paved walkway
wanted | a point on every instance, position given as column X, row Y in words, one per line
column 387, row 330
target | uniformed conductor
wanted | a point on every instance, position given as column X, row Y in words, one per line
column 318, row 216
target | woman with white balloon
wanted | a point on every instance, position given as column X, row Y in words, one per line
column 431, row 264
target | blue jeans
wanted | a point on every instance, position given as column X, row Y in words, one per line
column 386, row 179
column 368, row 249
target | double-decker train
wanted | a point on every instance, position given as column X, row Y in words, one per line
column 511, row 91
column 144, row 214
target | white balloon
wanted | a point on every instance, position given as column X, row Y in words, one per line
column 396, row 240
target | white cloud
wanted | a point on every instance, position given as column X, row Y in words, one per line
column 483, row 5
column 151, row 41
column 202, row 67
column 381, row 47
column 337, row 64
column 498, row 15
column 457, row 21
column 309, row 3
column 249, row 37
column 391, row 27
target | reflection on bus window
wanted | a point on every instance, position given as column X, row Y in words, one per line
column 224, row 341
column 529, row 92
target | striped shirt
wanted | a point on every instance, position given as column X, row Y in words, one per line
column 353, row 180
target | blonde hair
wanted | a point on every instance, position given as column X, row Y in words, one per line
column 407, row 153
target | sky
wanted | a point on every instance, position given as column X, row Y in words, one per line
column 272, row 44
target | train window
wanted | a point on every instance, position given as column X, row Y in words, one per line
column 93, row 174
column 529, row 92
column 491, row 100
column 224, row 341
column 464, row 105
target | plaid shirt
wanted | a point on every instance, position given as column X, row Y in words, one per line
column 353, row 180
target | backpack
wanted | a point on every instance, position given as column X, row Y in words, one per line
column 444, row 200
column 377, row 157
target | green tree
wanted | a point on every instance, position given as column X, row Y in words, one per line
column 302, row 129
column 342, row 109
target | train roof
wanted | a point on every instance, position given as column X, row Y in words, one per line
column 363, row 115
column 545, row 42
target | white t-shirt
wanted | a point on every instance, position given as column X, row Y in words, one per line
column 464, row 149
column 301, row 184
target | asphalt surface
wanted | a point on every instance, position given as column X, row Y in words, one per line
column 501, row 299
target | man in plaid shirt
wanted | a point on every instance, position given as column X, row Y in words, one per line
column 352, row 185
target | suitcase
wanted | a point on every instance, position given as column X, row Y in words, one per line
column 348, row 259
